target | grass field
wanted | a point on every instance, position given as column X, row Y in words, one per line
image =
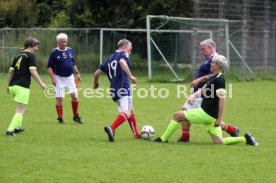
column 72, row 153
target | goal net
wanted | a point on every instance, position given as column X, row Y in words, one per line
column 173, row 44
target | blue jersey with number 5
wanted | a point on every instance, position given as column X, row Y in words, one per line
column 62, row 62
column 119, row 81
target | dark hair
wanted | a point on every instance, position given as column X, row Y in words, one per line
column 30, row 42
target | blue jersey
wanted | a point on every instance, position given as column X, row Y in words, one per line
column 203, row 70
column 62, row 62
column 119, row 81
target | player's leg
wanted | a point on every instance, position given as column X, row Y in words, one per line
column 133, row 125
column 75, row 108
column 59, row 109
column 21, row 96
column 172, row 127
column 132, row 119
column 16, row 123
column 216, row 135
column 231, row 130
column 121, row 118
column 70, row 86
column 60, row 94
column 185, row 137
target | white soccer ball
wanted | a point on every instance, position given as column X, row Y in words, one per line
column 147, row 132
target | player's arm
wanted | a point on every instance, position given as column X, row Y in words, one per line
column 192, row 97
column 50, row 70
column 75, row 69
column 10, row 74
column 97, row 74
column 52, row 75
column 220, row 109
column 221, row 94
column 125, row 68
column 202, row 79
column 37, row 77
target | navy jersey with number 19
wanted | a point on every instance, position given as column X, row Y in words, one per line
column 119, row 81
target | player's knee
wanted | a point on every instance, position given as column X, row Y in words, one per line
column 217, row 141
column 178, row 116
column 58, row 101
column 185, row 125
column 127, row 113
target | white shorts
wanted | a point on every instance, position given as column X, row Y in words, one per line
column 125, row 104
column 63, row 83
column 196, row 104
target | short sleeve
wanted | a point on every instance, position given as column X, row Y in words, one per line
column 103, row 67
column 13, row 64
column 72, row 56
column 125, row 56
column 220, row 86
column 31, row 61
column 51, row 61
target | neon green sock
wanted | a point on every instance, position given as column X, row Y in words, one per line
column 16, row 122
column 233, row 140
column 20, row 120
column 172, row 127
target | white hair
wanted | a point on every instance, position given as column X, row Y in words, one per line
column 221, row 61
column 208, row 42
column 62, row 36
column 122, row 42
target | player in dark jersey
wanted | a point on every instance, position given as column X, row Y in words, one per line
column 119, row 75
column 61, row 66
column 208, row 50
column 19, row 80
column 211, row 110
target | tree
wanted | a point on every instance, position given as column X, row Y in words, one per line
column 124, row 13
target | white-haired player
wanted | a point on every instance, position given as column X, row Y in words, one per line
column 61, row 67
column 208, row 50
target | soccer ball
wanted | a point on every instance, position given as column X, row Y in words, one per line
column 147, row 132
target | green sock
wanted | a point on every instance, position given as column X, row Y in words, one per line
column 233, row 140
column 173, row 125
column 20, row 120
column 16, row 122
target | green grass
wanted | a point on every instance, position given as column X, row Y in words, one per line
column 49, row 152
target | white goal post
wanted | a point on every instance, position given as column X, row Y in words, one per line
column 188, row 32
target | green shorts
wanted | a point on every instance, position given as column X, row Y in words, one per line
column 20, row 94
column 199, row 116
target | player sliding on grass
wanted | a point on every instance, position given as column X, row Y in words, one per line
column 208, row 50
column 119, row 75
column 19, row 80
column 211, row 110
column 61, row 66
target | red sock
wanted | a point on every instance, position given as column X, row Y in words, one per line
column 75, row 106
column 119, row 120
column 133, row 126
column 59, row 111
column 186, row 135
column 229, row 128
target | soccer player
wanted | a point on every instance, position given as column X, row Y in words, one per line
column 61, row 66
column 19, row 81
column 208, row 50
column 211, row 111
column 119, row 75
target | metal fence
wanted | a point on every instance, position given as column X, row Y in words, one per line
column 90, row 46
column 255, row 39
column 252, row 38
